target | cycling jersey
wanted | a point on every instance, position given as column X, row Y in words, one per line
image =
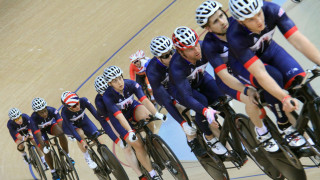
column 45, row 125
column 261, row 46
column 279, row 64
column 193, row 87
column 103, row 113
column 16, row 129
column 73, row 120
column 125, row 103
column 135, row 70
column 158, row 76
column 216, row 51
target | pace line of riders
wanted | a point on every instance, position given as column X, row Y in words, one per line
column 176, row 79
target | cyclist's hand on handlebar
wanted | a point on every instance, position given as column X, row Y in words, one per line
column 84, row 144
column 289, row 104
column 209, row 114
column 161, row 116
column 253, row 95
column 46, row 149
column 132, row 136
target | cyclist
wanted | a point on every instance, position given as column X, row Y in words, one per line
column 209, row 15
column 20, row 128
column 118, row 98
column 46, row 119
column 101, row 85
column 76, row 123
column 192, row 86
column 138, row 71
column 265, row 64
column 157, row 72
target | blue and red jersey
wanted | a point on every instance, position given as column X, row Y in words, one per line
column 158, row 75
column 39, row 123
column 16, row 129
column 71, row 119
column 121, row 103
column 185, row 76
column 247, row 47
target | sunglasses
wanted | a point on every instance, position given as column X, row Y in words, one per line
column 166, row 56
column 15, row 120
column 135, row 62
column 74, row 106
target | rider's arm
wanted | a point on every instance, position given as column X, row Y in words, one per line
column 295, row 37
column 67, row 124
column 162, row 97
column 57, row 115
column 230, row 80
column 13, row 131
column 185, row 91
column 90, row 107
column 258, row 70
column 142, row 97
column 132, row 72
column 302, row 44
column 115, row 111
column 36, row 131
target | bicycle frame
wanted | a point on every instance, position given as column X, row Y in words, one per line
column 310, row 109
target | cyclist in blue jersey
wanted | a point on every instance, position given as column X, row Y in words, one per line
column 20, row 129
column 192, row 86
column 266, row 64
column 46, row 119
column 101, row 85
column 158, row 74
column 122, row 107
column 77, row 124
column 210, row 16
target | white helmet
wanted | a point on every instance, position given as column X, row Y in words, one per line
column 111, row 73
column 184, row 38
column 69, row 98
column 160, row 45
column 133, row 57
column 38, row 104
column 244, row 9
column 14, row 113
column 140, row 54
column 205, row 10
column 100, row 84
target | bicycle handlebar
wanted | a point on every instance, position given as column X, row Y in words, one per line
column 143, row 122
column 310, row 75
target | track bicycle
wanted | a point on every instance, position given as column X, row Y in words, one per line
column 160, row 153
column 237, row 131
column 62, row 163
column 34, row 161
column 107, row 163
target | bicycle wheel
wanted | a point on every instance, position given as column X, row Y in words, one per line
column 36, row 164
column 69, row 168
column 245, row 127
column 112, row 162
column 212, row 163
column 101, row 170
column 168, row 158
column 274, row 165
column 57, row 164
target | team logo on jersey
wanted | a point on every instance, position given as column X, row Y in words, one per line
column 125, row 103
column 292, row 71
column 281, row 12
column 137, row 85
column 56, row 112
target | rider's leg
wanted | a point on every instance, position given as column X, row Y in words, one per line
column 132, row 160
column 57, row 131
column 141, row 112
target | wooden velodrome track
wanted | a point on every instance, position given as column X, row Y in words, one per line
column 47, row 47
